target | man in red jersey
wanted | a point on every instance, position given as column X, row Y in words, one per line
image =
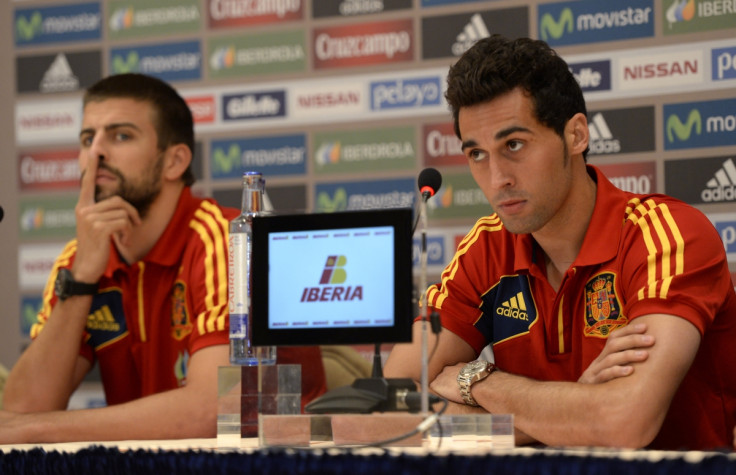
column 574, row 281
column 141, row 291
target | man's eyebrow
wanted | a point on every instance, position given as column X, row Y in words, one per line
column 499, row 135
column 109, row 127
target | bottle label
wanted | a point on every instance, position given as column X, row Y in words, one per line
column 237, row 285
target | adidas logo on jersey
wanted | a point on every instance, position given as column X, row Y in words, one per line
column 601, row 138
column 722, row 187
column 515, row 307
column 473, row 31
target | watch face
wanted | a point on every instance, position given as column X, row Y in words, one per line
column 475, row 366
column 60, row 285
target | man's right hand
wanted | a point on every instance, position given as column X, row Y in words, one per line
column 624, row 347
column 97, row 222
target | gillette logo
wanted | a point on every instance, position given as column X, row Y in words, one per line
column 333, row 273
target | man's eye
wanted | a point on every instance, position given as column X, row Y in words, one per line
column 85, row 141
column 122, row 136
column 515, row 145
column 477, row 155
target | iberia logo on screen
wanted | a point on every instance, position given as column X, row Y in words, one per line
column 333, row 274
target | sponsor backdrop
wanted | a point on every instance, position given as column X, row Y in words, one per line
column 340, row 104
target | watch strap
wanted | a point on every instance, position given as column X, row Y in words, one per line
column 466, row 380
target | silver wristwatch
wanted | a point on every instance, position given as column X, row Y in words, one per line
column 471, row 374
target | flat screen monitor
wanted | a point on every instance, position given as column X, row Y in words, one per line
column 332, row 278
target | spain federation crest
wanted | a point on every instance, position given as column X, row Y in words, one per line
column 602, row 308
column 181, row 324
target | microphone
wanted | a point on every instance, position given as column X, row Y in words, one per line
column 2, row 213
column 429, row 182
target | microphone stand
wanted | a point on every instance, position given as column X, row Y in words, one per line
column 423, row 306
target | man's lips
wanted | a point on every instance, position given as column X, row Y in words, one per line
column 511, row 206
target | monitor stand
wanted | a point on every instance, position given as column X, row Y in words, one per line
column 367, row 395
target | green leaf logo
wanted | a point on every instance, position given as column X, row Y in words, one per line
column 554, row 29
column 122, row 65
column 29, row 314
column 683, row 131
column 337, row 203
column 223, row 163
column 25, row 29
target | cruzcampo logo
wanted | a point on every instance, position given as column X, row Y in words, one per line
column 224, row 162
column 683, row 131
column 552, row 28
column 27, row 29
column 336, row 202
column 121, row 65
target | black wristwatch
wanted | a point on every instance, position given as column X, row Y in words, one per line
column 66, row 286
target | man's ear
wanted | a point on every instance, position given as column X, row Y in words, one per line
column 177, row 159
column 577, row 133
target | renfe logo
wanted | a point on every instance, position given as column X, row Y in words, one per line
column 333, row 273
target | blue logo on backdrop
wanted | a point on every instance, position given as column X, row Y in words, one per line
column 272, row 156
column 254, row 105
column 397, row 193
column 81, row 22
column 727, row 231
column 434, row 3
column 435, row 251
column 592, row 76
column 407, row 93
column 169, row 62
column 700, row 124
column 724, row 63
column 594, row 21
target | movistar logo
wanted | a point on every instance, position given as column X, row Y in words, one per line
column 337, row 202
column 27, row 29
column 554, row 29
column 224, row 163
column 683, row 131
column 122, row 65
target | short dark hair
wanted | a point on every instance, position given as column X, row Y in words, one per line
column 497, row 65
column 172, row 116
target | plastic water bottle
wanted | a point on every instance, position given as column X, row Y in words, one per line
column 239, row 302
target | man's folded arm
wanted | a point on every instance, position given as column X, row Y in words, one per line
column 186, row 412
column 622, row 412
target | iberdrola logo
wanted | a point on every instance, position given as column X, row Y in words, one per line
column 680, row 10
column 223, row 58
column 328, row 153
column 121, row 19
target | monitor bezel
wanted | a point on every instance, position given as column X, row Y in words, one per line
column 400, row 219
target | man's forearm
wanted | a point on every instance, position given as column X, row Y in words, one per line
column 46, row 373
column 175, row 414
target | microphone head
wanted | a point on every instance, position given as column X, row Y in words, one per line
column 429, row 181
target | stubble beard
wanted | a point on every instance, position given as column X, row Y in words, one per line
column 140, row 194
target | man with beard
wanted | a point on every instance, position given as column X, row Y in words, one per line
column 142, row 289
column 573, row 281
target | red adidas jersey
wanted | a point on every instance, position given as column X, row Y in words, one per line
column 642, row 254
column 148, row 318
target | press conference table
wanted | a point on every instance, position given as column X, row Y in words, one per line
column 193, row 456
